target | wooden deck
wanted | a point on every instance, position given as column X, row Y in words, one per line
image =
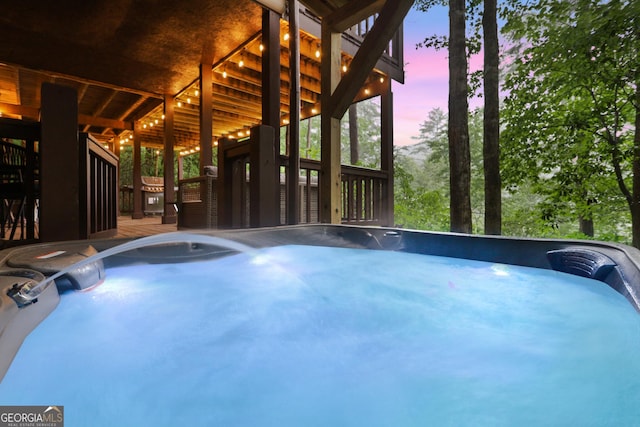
column 127, row 227
column 147, row 226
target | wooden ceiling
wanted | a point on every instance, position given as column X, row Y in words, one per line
column 123, row 56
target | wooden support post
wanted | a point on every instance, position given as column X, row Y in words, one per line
column 293, row 189
column 271, row 70
column 264, row 191
column 271, row 80
column 330, row 167
column 60, row 165
column 386, row 152
column 222, row 186
column 137, row 172
column 206, row 116
column 169, row 216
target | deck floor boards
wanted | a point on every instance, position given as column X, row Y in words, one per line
column 127, row 227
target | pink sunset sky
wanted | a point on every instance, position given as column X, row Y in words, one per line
column 426, row 84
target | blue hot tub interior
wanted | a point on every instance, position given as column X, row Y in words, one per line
column 325, row 325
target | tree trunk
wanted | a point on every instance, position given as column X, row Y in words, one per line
column 459, row 153
column 635, row 199
column 353, row 134
column 586, row 226
column 491, row 141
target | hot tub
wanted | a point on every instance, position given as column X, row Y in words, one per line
column 323, row 325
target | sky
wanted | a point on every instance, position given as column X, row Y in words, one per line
column 426, row 84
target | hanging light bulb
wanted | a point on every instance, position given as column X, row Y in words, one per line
column 286, row 36
column 344, row 68
column 197, row 92
column 179, row 103
column 318, row 51
column 261, row 47
column 224, row 74
column 241, row 63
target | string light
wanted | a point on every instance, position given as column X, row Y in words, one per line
column 344, row 68
column 286, row 36
column 197, row 92
column 318, row 51
column 179, row 103
column 261, row 47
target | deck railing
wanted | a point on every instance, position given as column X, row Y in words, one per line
column 99, row 205
column 198, row 202
column 362, row 198
column 363, row 195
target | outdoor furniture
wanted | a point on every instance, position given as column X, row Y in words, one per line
column 153, row 195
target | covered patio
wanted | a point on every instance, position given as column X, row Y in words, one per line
column 138, row 74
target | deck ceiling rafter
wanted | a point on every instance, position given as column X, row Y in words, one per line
column 121, row 76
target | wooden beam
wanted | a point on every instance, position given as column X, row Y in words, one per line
column 330, row 168
column 85, row 119
column 137, row 172
column 271, row 71
column 374, row 44
column 169, row 215
column 20, row 110
column 206, row 116
column 105, row 102
column 293, row 190
column 353, row 13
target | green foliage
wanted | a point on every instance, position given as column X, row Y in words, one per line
column 369, row 135
column 568, row 118
column 152, row 164
column 422, row 175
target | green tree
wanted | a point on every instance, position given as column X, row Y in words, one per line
column 571, row 116
column 368, row 134
column 422, row 175
column 458, row 128
column 491, row 137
